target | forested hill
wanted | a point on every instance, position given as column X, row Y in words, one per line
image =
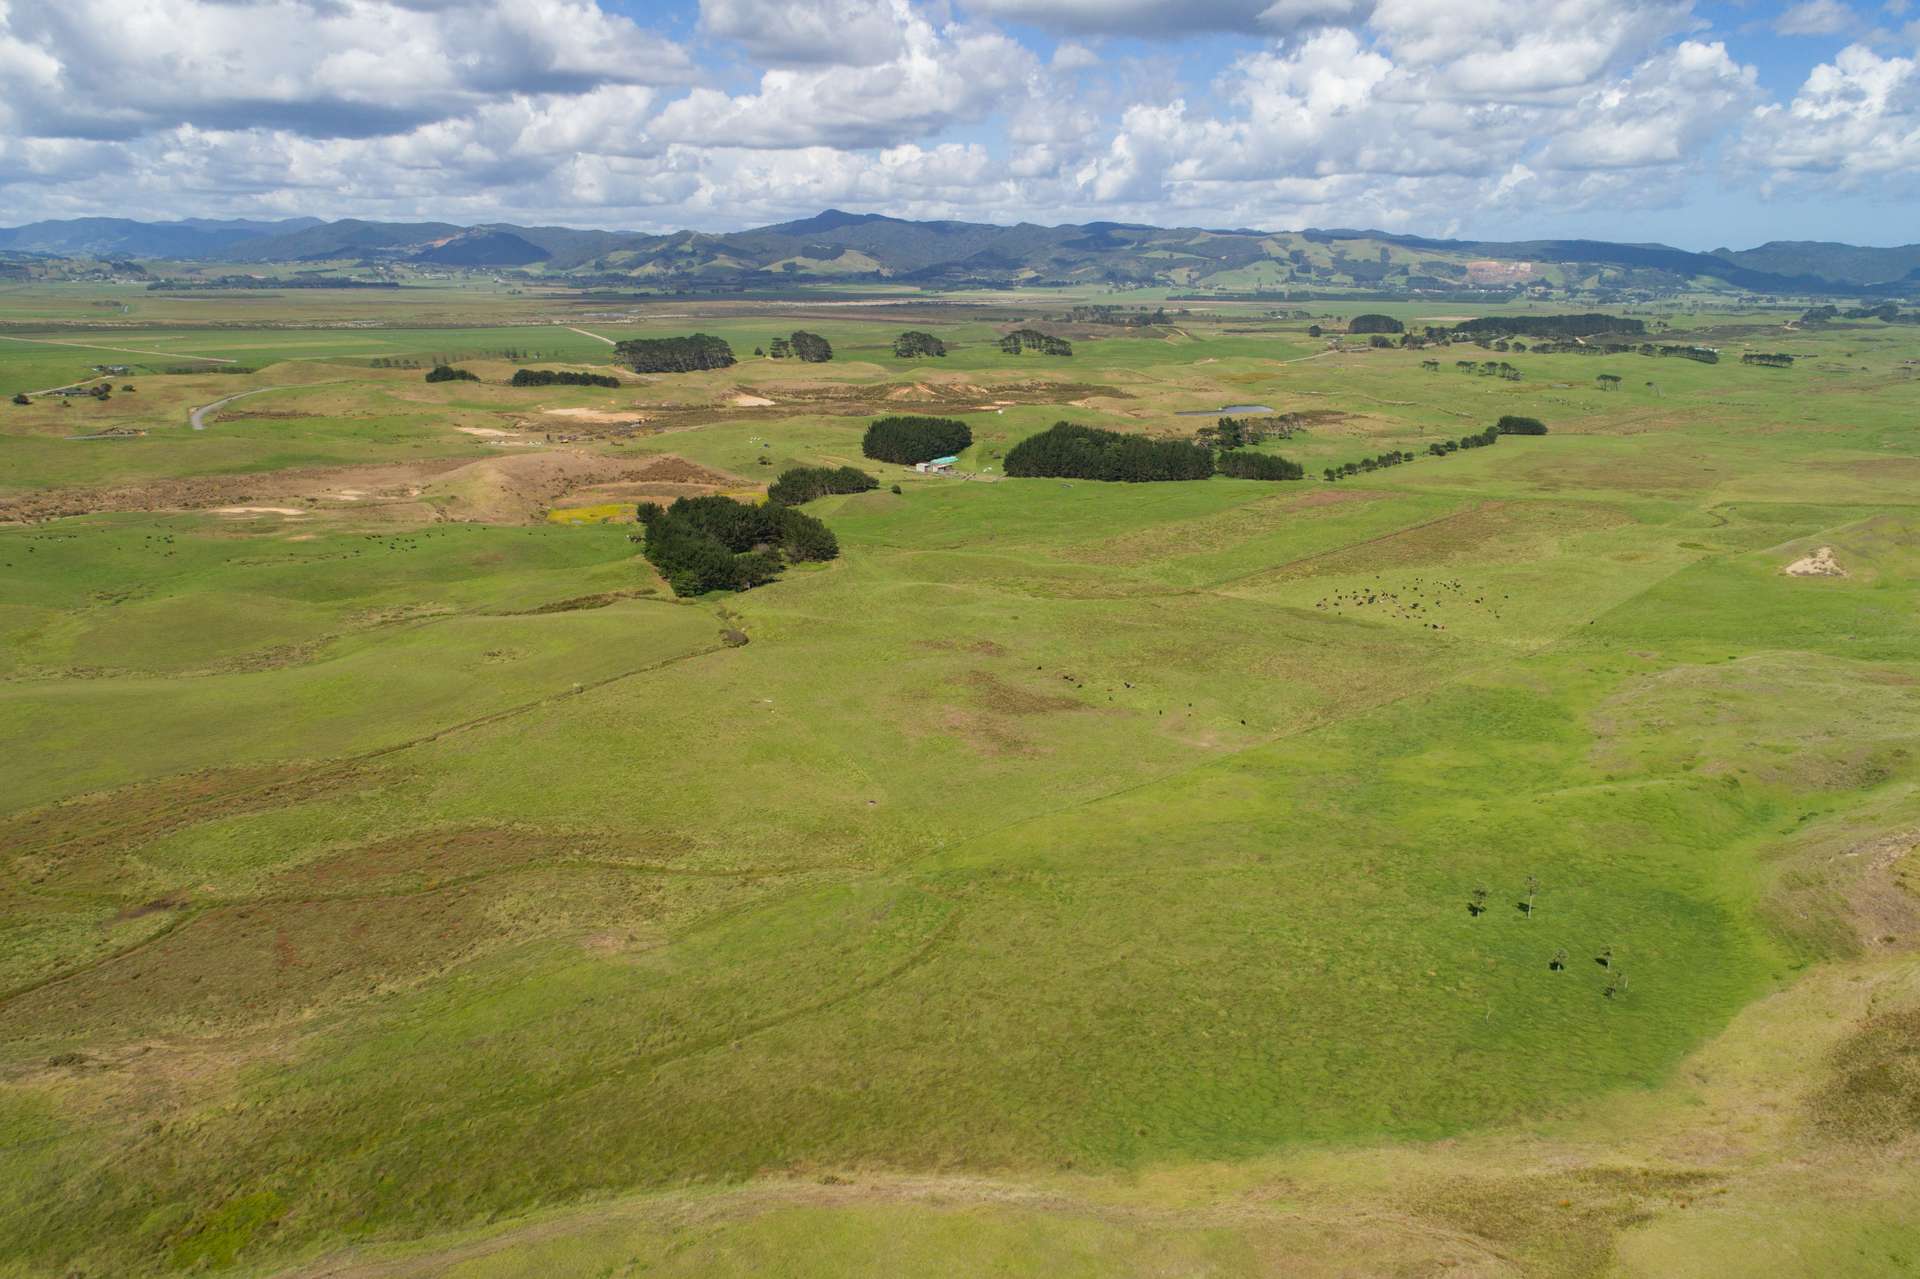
column 835, row 245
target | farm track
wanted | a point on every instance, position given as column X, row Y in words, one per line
column 198, row 417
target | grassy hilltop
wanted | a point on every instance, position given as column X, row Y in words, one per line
column 1497, row 863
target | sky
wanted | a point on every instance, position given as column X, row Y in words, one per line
column 1689, row 123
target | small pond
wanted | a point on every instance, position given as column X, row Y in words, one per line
column 1229, row 410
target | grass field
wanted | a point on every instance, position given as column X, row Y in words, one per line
column 1493, row 865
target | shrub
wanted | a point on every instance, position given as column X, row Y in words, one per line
column 1088, row 453
column 444, row 373
column 909, row 439
column 22, row 398
column 804, row 483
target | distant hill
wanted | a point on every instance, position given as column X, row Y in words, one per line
column 1845, row 263
column 193, row 239
column 841, row 246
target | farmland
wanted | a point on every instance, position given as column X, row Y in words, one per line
column 1497, row 864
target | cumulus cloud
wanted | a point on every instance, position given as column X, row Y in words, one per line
column 855, row 33
column 1155, row 18
column 1398, row 113
column 107, row 69
column 1854, row 124
column 1816, row 18
column 937, row 77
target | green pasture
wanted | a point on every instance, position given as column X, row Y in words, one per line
column 1069, row 878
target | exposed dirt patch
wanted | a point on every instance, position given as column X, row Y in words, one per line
column 1874, row 1093
column 275, row 960
column 983, row 647
column 1819, row 564
column 431, row 859
column 1560, row 1223
column 1336, row 497
column 71, row 844
column 996, row 695
column 523, row 488
column 395, row 483
column 744, row 401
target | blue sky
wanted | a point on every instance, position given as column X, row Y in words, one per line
column 1697, row 124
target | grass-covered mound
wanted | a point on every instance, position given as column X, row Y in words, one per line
column 1068, row 451
column 909, row 439
column 804, row 483
column 703, row 544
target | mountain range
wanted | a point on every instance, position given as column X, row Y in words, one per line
column 866, row 246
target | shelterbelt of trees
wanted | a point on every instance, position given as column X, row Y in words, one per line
column 446, row 373
column 1583, row 325
column 674, row 355
column 702, row 544
column 804, row 483
column 1034, row 340
column 1069, row 451
column 560, row 377
column 908, row 440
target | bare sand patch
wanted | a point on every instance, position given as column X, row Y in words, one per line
column 1819, row 564
column 599, row 417
column 292, row 511
column 486, row 432
column 745, row 401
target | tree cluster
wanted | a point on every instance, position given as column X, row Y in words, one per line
column 1243, row 465
column 1088, row 453
column 1775, row 360
column 447, row 373
column 1034, row 340
column 1375, row 324
column 913, row 345
column 1126, row 317
column 810, row 348
column 22, row 398
column 908, row 440
column 556, row 377
column 1512, row 425
column 702, row 544
column 1563, row 326
column 674, row 355
column 804, row 483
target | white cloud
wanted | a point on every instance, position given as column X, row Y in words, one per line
column 1854, row 124
column 857, row 33
column 327, row 68
column 938, row 77
column 1156, row 18
column 1816, row 18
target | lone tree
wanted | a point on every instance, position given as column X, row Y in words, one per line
column 1608, row 381
column 1375, row 324
column 811, row 347
column 1477, row 901
column 914, row 344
